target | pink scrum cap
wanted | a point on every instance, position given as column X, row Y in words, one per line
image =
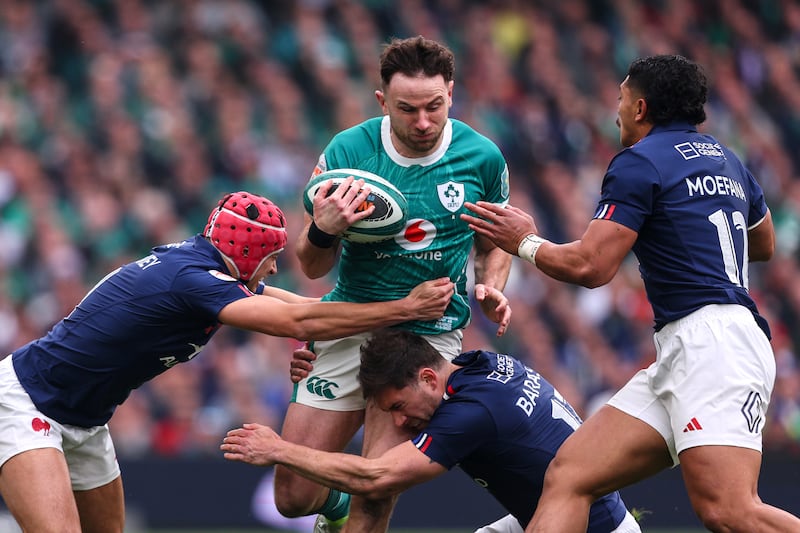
column 247, row 229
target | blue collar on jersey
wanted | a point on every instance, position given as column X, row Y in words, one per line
column 673, row 126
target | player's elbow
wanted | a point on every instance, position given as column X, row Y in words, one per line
column 315, row 263
column 381, row 488
column 762, row 255
column 377, row 481
column 315, row 268
column 591, row 277
column 592, row 282
column 762, row 252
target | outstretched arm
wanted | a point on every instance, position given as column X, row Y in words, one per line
column 332, row 320
column 396, row 470
column 287, row 296
column 591, row 261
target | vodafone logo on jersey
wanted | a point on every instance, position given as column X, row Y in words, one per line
column 418, row 235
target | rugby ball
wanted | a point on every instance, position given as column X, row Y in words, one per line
column 389, row 216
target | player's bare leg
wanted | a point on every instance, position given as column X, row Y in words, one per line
column 609, row 451
column 102, row 510
column 380, row 434
column 322, row 430
column 36, row 488
column 722, row 482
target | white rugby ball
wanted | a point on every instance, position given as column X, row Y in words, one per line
column 389, row 216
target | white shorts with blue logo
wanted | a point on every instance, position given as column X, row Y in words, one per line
column 710, row 384
column 89, row 452
column 333, row 383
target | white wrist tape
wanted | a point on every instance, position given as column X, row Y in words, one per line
column 529, row 246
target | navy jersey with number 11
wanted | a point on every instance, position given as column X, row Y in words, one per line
column 692, row 202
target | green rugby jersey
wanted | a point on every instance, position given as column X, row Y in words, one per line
column 436, row 242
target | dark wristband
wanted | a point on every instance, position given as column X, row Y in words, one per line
column 319, row 238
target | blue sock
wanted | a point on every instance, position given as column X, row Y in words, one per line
column 337, row 506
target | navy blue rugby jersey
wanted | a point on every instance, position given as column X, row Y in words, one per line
column 501, row 423
column 692, row 201
column 139, row 321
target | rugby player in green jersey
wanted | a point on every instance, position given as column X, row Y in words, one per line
column 438, row 163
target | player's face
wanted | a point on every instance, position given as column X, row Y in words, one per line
column 630, row 107
column 268, row 268
column 411, row 407
column 418, row 108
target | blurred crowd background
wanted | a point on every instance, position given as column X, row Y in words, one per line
column 123, row 121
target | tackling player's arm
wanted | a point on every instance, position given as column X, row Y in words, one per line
column 591, row 261
column 287, row 296
column 332, row 320
column 393, row 472
column 318, row 244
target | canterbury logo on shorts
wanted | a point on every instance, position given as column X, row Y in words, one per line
column 321, row 387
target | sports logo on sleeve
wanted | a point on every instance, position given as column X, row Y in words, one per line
column 422, row 441
column 504, row 186
column 605, row 211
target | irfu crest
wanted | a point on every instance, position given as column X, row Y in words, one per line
column 451, row 194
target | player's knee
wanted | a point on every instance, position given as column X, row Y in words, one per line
column 290, row 505
column 712, row 518
column 566, row 479
column 291, row 508
column 559, row 475
column 294, row 496
column 724, row 518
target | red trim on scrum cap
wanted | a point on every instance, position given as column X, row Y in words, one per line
column 247, row 229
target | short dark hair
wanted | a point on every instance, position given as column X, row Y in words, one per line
column 416, row 55
column 674, row 88
column 392, row 358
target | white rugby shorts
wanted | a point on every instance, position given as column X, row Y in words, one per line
column 333, row 383
column 89, row 452
column 509, row 524
column 710, row 384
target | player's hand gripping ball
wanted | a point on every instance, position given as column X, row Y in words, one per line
column 389, row 216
